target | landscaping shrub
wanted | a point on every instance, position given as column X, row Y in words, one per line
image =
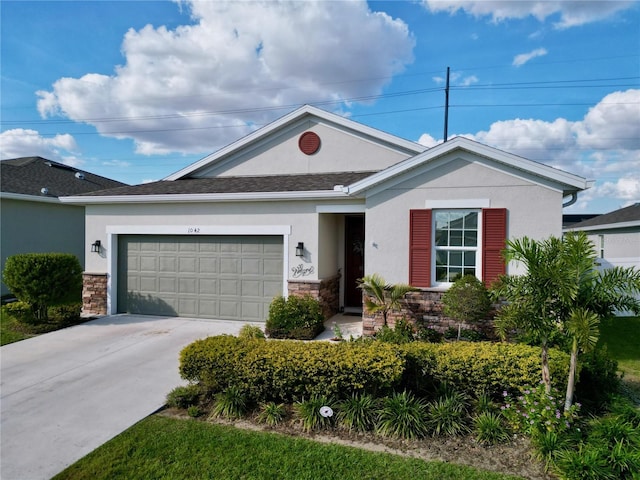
column 598, row 380
column 536, row 411
column 44, row 280
column 296, row 317
column 477, row 368
column 467, row 300
column 184, row 396
column 402, row 332
column 286, row 371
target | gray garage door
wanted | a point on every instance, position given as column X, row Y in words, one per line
column 225, row 277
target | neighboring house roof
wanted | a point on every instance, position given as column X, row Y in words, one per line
column 289, row 121
column 622, row 218
column 570, row 219
column 31, row 177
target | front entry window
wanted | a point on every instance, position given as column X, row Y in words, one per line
column 456, row 244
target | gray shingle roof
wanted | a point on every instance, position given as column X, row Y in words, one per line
column 268, row 183
column 29, row 175
column 623, row 215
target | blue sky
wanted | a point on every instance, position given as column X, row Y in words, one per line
column 135, row 91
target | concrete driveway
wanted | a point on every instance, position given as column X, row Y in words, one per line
column 67, row 392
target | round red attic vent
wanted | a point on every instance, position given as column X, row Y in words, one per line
column 309, row 143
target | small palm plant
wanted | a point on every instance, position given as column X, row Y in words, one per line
column 382, row 297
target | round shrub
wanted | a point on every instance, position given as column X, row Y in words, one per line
column 296, row 317
column 44, row 280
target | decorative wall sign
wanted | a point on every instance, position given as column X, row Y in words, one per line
column 301, row 271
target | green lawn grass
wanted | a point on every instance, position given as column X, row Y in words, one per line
column 11, row 330
column 166, row 448
column 621, row 335
column 622, row 338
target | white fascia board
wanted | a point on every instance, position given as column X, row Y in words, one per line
column 520, row 163
column 342, row 208
column 606, row 226
column 291, row 118
column 195, row 230
column 28, row 198
column 207, row 197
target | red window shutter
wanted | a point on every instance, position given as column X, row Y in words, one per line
column 494, row 236
column 420, row 248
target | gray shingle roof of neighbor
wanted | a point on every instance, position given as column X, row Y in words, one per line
column 266, row 183
column 623, row 215
column 29, row 175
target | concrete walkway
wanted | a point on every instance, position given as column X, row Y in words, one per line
column 65, row 393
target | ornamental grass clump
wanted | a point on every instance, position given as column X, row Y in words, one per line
column 232, row 403
column 357, row 412
column 314, row 414
column 490, row 429
column 448, row 415
column 272, row 413
column 402, row 415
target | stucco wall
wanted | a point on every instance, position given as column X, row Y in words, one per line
column 339, row 152
column 301, row 216
column 621, row 248
column 533, row 210
column 38, row 227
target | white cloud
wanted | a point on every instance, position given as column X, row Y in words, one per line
column 197, row 87
column 428, row 141
column 570, row 12
column 456, row 78
column 523, row 58
column 20, row 142
column 604, row 145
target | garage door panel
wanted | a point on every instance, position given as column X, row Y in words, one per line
column 229, row 266
column 227, row 277
column 188, row 286
column 209, row 265
column 251, row 266
column 208, row 286
column 272, row 267
column 167, row 285
column 187, row 265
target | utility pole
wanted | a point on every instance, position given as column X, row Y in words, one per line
column 446, row 108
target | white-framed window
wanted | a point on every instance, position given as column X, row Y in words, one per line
column 456, row 249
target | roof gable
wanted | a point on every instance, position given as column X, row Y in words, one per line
column 42, row 178
column 292, row 125
column 509, row 163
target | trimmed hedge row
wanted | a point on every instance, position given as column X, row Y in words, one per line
column 287, row 371
column 479, row 367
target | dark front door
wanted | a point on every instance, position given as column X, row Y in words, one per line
column 354, row 260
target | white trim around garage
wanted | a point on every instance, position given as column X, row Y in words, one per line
column 186, row 230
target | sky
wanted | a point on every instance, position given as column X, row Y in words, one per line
column 137, row 90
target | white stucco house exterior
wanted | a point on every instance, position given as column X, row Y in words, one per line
column 310, row 203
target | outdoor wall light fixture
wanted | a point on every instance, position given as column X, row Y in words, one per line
column 300, row 249
column 95, row 246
